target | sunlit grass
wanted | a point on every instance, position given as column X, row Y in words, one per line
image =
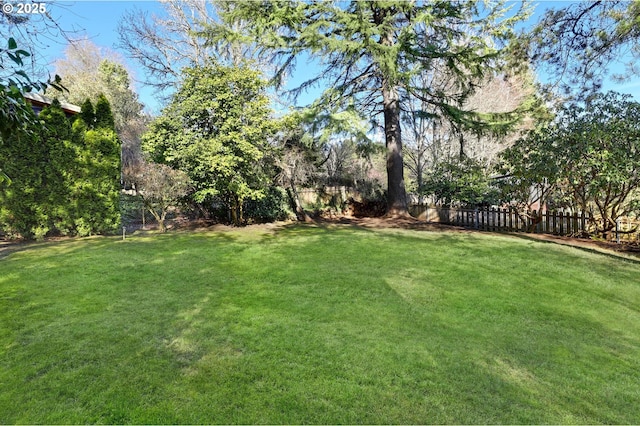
column 318, row 325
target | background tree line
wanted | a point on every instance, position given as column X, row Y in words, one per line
column 419, row 99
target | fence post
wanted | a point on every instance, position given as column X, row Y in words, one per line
column 618, row 231
column 492, row 219
column 476, row 218
column 505, row 223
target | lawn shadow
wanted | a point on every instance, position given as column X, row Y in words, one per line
column 9, row 247
column 322, row 328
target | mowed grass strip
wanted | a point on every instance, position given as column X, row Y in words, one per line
column 318, row 325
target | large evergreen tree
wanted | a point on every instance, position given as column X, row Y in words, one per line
column 369, row 52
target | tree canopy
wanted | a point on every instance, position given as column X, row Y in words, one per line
column 216, row 129
column 369, row 52
column 588, row 159
column 577, row 42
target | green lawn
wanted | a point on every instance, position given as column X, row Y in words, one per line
column 318, row 325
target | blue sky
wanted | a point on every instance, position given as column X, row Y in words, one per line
column 98, row 20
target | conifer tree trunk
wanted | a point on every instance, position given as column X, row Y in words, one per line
column 396, row 192
column 396, row 196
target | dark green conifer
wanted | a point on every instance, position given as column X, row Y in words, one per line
column 103, row 114
column 87, row 113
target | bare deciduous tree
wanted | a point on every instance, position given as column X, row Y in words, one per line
column 165, row 44
column 296, row 169
column 159, row 186
column 432, row 139
column 34, row 32
column 500, row 94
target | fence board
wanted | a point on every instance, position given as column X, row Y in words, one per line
column 507, row 219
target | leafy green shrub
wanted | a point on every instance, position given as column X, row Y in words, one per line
column 463, row 183
column 273, row 206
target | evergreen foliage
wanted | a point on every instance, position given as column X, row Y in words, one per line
column 272, row 207
column 576, row 42
column 461, row 183
column 87, row 113
column 216, row 130
column 16, row 115
column 103, row 115
column 90, row 71
column 587, row 159
column 65, row 179
column 369, row 53
column 22, row 203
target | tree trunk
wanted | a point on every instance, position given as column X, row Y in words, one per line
column 236, row 212
column 159, row 217
column 396, row 193
column 294, row 200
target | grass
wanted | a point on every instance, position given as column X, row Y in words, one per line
column 318, row 325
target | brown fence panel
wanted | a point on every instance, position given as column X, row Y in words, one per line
column 508, row 220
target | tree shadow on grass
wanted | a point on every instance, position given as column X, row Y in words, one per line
column 524, row 362
column 332, row 324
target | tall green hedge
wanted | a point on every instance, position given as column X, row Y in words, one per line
column 65, row 179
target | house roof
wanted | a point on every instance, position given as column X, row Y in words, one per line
column 40, row 102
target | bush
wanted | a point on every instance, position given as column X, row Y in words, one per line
column 463, row 183
column 273, row 206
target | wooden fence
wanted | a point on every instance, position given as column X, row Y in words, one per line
column 508, row 220
column 339, row 194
